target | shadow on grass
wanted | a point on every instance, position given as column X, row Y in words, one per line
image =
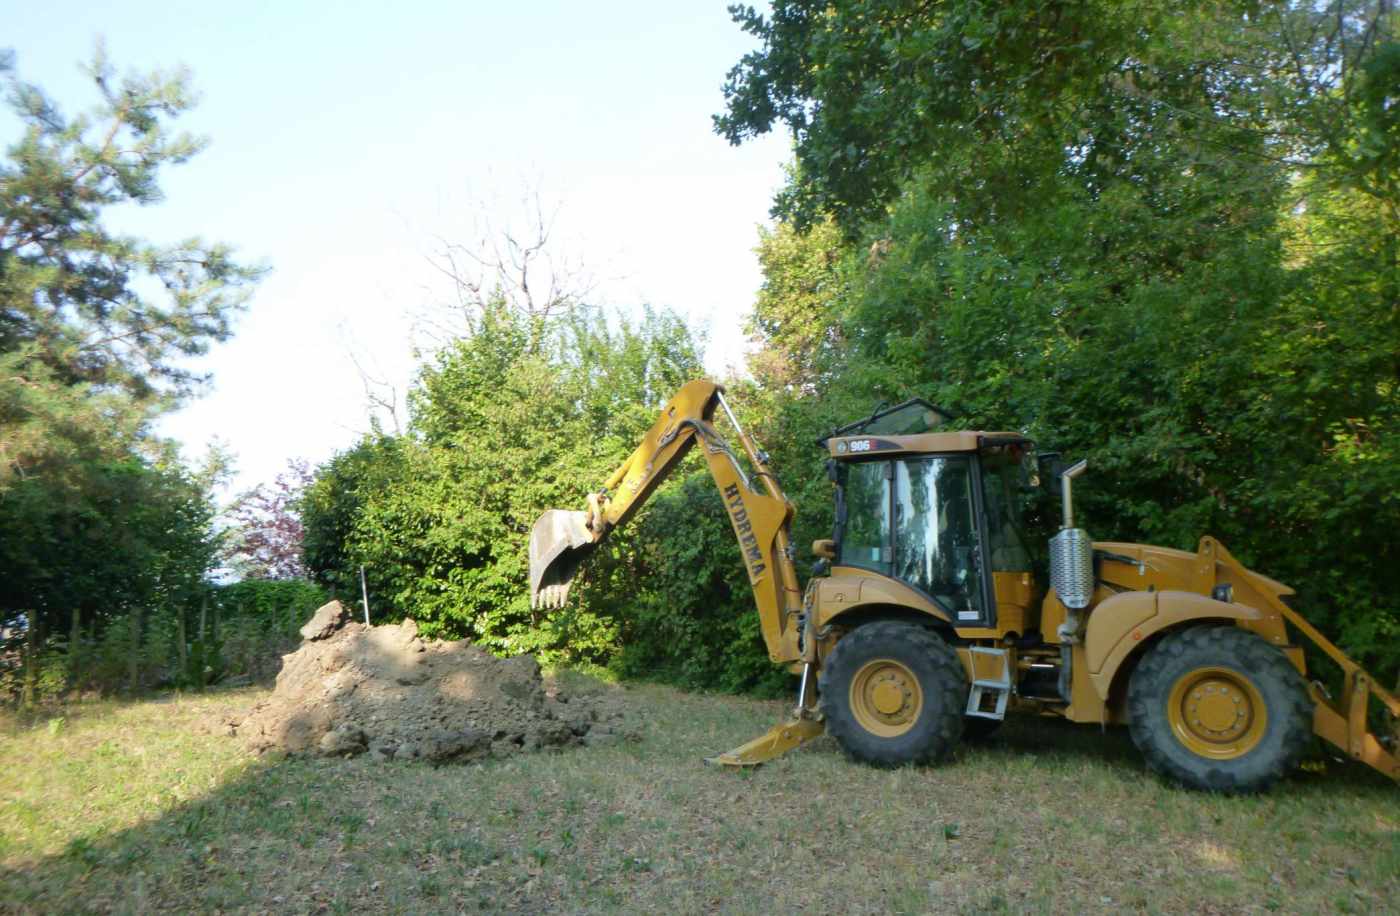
column 286, row 834
column 278, row 832
column 1060, row 742
column 308, row 834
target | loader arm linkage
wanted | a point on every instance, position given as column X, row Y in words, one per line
column 561, row 539
column 1341, row 722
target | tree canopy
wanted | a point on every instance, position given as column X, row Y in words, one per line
column 994, row 99
column 1161, row 236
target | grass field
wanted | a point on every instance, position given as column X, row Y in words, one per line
column 130, row 808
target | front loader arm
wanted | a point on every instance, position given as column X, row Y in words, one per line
column 562, row 540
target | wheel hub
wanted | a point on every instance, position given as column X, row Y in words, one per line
column 1217, row 713
column 886, row 698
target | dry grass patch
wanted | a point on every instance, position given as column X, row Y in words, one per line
column 128, row 808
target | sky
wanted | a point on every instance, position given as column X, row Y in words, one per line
column 350, row 141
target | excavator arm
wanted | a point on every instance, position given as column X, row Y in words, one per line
column 759, row 512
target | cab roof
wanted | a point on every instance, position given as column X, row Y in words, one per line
column 859, row 446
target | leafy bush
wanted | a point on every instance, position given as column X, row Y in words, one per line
column 506, row 423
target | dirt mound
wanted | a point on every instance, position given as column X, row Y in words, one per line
column 352, row 689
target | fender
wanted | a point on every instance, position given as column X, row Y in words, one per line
column 1119, row 625
column 849, row 590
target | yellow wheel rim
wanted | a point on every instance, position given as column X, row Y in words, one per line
column 886, row 698
column 1217, row 713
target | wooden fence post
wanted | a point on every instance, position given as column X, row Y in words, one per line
column 180, row 638
column 203, row 642
column 75, row 649
column 134, row 658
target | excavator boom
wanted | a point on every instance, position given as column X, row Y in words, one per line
column 759, row 512
column 562, row 540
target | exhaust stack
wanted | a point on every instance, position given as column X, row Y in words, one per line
column 1066, row 491
column 1072, row 551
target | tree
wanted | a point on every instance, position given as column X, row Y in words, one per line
column 95, row 326
column 105, row 533
column 331, row 504
column 129, row 535
column 792, row 314
column 265, row 540
column 517, row 267
column 878, row 94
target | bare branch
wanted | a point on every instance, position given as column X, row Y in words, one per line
column 513, row 266
column 379, row 394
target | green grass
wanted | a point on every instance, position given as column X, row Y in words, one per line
column 130, row 808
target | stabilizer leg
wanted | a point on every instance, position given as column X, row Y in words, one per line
column 806, row 723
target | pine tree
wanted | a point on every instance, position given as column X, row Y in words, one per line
column 94, row 325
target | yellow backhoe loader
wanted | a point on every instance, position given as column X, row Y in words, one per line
column 927, row 624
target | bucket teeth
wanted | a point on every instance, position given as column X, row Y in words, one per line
column 551, row 596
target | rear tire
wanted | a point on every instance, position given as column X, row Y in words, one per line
column 1218, row 708
column 894, row 693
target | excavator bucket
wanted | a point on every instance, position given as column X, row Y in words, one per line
column 775, row 742
column 559, row 541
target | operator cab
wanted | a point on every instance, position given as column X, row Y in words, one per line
column 939, row 511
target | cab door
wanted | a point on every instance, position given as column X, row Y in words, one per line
column 917, row 520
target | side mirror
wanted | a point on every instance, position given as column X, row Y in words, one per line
column 824, row 548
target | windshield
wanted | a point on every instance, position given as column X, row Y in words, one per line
column 935, row 536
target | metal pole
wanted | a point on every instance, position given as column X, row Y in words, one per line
column 364, row 593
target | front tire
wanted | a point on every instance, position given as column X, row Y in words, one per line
column 1218, row 708
column 894, row 693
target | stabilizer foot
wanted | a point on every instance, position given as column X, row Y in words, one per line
column 775, row 742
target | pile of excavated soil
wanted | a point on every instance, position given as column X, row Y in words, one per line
column 352, row 689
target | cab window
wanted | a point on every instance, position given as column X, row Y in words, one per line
column 1006, row 528
column 867, row 535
